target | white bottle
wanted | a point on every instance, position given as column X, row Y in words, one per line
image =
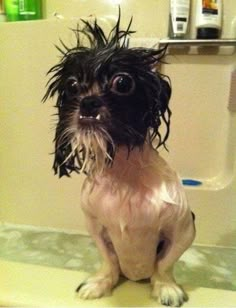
column 179, row 17
column 208, row 19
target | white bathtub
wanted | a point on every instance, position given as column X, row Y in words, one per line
column 202, row 146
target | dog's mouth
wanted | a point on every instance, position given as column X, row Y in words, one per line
column 92, row 144
column 88, row 122
column 93, row 118
column 91, row 109
column 90, row 118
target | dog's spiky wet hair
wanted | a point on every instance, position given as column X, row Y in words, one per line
column 102, row 50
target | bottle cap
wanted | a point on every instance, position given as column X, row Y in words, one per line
column 208, row 33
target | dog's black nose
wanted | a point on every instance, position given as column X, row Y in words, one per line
column 89, row 106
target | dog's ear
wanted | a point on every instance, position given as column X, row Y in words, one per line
column 159, row 90
column 165, row 94
column 160, row 111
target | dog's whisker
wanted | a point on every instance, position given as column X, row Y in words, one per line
column 66, row 136
column 70, row 154
column 91, row 149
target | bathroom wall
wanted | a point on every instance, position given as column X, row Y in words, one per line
column 144, row 13
column 153, row 12
column 202, row 144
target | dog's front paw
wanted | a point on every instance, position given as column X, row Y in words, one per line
column 94, row 288
column 169, row 294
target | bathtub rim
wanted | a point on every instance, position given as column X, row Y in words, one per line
column 25, row 285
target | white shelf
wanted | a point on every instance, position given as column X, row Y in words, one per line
column 195, row 42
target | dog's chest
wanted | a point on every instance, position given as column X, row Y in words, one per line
column 120, row 205
column 131, row 220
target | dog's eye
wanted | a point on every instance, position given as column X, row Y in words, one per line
column 72, row 86
column 122, row 84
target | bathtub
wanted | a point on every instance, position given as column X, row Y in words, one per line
column 37, row 209
column 43, row 267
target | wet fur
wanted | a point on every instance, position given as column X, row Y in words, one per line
column 98, row 62
column 134, row 203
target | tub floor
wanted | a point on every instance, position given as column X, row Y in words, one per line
column 200, row 266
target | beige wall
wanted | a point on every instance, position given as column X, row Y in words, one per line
column 154, row 12
column 203, row 135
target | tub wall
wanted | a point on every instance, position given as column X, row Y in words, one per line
column 203, row 134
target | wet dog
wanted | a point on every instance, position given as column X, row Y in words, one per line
column 111, row 102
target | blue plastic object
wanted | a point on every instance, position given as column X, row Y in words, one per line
column 191, row 182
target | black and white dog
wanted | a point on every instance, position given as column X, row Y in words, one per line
column 111, row 103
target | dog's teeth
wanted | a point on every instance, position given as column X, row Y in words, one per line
column 98, row 117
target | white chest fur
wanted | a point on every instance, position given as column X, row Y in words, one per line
column 135, row 202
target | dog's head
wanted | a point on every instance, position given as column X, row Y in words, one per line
column 109, row 96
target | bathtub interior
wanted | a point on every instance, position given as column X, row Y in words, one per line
column 203, row 150
column 36, row 206
column 199, row 266
column 202, row 143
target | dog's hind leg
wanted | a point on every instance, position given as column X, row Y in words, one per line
column 163, row 282
column 101, row 283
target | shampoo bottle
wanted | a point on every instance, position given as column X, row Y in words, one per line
column 208, row 19
column 179, row 17
column 30, row 9
column 11, row 9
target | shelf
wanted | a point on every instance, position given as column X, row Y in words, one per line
column 199, row 43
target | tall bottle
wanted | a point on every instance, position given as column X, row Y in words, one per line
column 30, row 9
column 208, row 19
column 11, row 9
column 179, row 17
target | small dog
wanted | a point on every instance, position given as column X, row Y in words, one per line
column 111, row 103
